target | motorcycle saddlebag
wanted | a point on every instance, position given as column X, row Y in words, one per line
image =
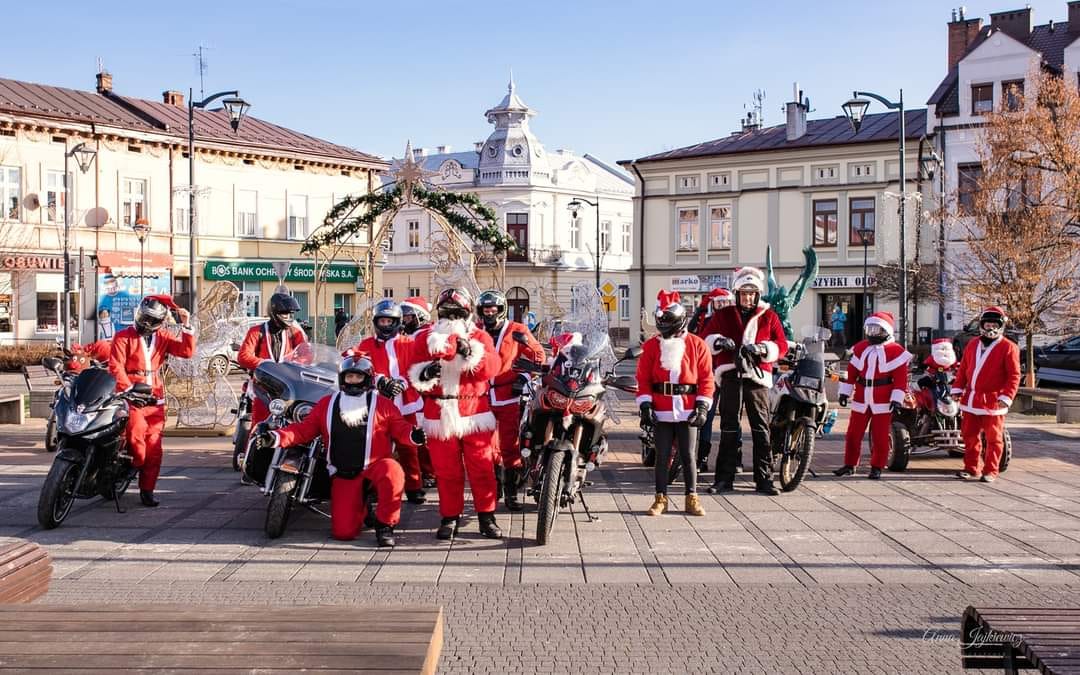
column 257, row 463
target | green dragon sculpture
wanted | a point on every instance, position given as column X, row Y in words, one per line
column 783, row 300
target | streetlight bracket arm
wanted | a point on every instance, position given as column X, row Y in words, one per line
column 213, row 97
column 880, row 99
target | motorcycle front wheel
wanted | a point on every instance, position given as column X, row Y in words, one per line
column 900, row 452
column 795, row 458
column 58, row 493
column 280, row 506
column 240, row 441
column 550, row 494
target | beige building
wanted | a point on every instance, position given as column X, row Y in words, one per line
column 260, row 191
column 704, row 210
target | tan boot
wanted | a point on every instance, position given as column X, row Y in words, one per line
column 693, row 506
column 659, row 505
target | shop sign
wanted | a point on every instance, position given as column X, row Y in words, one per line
column 707, row 282
column 263, row 270
column 688, row 283
column 843, row 281
column 31, row 262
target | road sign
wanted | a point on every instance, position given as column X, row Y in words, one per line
column 610, row 302
column 607, row 288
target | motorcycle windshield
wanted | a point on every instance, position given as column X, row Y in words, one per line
column 592, row 348
column 92, row 388
column 306, row 373
column 814, row 338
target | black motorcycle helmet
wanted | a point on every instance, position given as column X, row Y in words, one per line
column 356, row 364
column 992, row 323
column 492, row 298
column 283, row 310
column 671, row 318
column 454, row 303
column 150, row 315
column 386, row 319
column 414, row 314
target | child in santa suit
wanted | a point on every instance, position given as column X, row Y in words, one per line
column 675, row 391
column 451, row 364
column 942, row 359
column 357, row 428
column 986, row 383
column 272, row 340
column 876, row 385
column 137, row 354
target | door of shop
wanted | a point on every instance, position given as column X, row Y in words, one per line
column 851, row 305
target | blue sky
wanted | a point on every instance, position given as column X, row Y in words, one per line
column 615, row 79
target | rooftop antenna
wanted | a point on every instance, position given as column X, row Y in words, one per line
column 100, row 65
column 203, row 65
column 759, row 106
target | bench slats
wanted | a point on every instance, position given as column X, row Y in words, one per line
column 25, row 571
column 1047, row 639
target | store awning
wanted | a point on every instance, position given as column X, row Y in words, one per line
column 126, row 260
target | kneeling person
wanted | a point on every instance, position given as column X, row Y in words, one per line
column 357, row 427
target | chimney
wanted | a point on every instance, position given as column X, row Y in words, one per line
column 173, row 98
column 750, row 122
column 1015, row 23
column 443, row 149
column 1074, row 16
column 796, row 115
column 419, row 153
column 962, row 32
column 104, row 82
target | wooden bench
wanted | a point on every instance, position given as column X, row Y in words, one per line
column 42, row 384
column 1045, row 639
column 124, row 638
column 13, row 409
column 25, row 570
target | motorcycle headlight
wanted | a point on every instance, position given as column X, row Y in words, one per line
column 76, row 423
column 277, row 407
column 948, row 408
column 580, row 406
column 809, row 382
column 556, row 400
column 301, row 410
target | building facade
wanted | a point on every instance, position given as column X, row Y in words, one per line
column 707, row 209
column 259, row 192
column 530, row 189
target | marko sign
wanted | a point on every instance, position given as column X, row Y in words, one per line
column 263, row 270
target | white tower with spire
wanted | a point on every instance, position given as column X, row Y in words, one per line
column 512, row 155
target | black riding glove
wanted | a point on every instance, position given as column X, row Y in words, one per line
column 700, row 414
column 843, row 400
column 724, row 344
column 418, row 437
column 390, row 387
column 925, row 382
column 431, row 371
column 648, row 415
column 895, row 407
column 265, row 439
column 464, row 348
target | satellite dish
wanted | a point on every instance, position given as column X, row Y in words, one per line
column 97, row 217
column 31, row 202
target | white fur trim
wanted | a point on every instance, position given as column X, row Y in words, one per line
column 772, row 352
column 475, row 356
column 353, row 409
column 748, row 276
column 672, row 351
column 721, row 369
column 1006, row 400
column 956, row 391
column 856, row 361
column 710, row 340
column 672, row 415
column 983, row 411
column 410, row 408
column 438, row 338
column 875, row 321
column 707, row 400
column 899, row 361
column 414, row 377
column 845, row 389
column 644, row 398
column 452, row 425
column 897, row 395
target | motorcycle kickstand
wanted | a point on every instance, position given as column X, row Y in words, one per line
column 585, row 505
column 813, row 474
column 116, row 501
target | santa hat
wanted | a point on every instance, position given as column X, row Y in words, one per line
column 164, row 299
column 941, row 351
column 994, row 310
column 564, row 341
column 667, row 300
column 749, row 276
column 883, row 319
column 418, row 304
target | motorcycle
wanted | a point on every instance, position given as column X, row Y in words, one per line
column 564, row 435
column 76, row 359
column 242, row 431
column 91, row 457
column 295, row 476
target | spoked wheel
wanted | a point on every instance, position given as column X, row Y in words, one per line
column 218, row 366
column 280, row 506
column 796, row 457
column 550, row 495
column 58, row 493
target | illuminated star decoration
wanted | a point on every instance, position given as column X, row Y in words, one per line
column 410, row 174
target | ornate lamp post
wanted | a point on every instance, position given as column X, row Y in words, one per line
column 84, row 157
column 141, row 228
column 573, row 207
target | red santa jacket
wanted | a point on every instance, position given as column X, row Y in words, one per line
column 256, row 345
column 384, row 356
column 509, row 350
column 384, row 427
column 457, row 402
column 876, row 376
column 683, row 360
column 132, row 360
column 987, row 375
column 762, row 327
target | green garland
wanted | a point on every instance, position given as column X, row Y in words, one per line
column 463, row 211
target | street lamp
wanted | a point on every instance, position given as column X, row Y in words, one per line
column 855, row 109
column 236, row 107
column 866, row 235
column 84, row 157
column 141, row 228
column 573, row 207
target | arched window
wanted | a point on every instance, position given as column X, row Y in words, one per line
column 517, row 301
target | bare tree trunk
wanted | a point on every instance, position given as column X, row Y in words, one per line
column 1029, row 380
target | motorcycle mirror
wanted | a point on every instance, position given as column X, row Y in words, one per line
column 632, row 353
column 52, row 363
column 520, row 338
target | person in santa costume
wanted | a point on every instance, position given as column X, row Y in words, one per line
column 138, row 352
column 675, row 392
column 272, row 340
column 415, row 314
column 942, row 359
column 876, row 384
column 716, row 299
column 506, row 386
column 451, row 364
column 986, row 383
column 382, row 348
column 747, row 338
column 357, row 427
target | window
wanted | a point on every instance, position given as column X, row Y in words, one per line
column 688, row 226
column 687, row 183
column 134, row 204
column 414, row 291
column 10, row 192
column 605, row 236
column 719, row 180
column 982, row 99
column 968, row 177
column 624, row 302
column 54, row 196
column 182, row 217
column 302, row 300
column 517, row 226
column 720, row 227
column 50, row 299
column 413, row 232
column 251, row 293
column 388, row 293
column 344, row 302
column 862, row 217
column 1013, row 94
column 825, row 222
column 575, row 234
column 247, row 216
column 298, row 223
column 626, row 240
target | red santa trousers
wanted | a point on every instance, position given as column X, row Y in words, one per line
column 507, row 424
column 410, row 464
column 347, row 505
column 972, row 427
column 453, row 458
column 144, row 429
column 880, row 428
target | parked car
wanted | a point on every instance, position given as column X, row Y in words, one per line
column 970, row 331
column 223, row 361
column 1059, row 362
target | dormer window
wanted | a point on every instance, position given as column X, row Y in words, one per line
column 982, row 99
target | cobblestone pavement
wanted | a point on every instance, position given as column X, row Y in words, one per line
column 841, row 575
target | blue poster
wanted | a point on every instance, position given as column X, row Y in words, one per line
column 118, row 293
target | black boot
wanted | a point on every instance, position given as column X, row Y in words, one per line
column 447, row 528
column 875, row 473
column 384, row 534
column 512, row 476
column 488, row 527
column 429, row 482
column 846, row 470
column 721, row 486
column 738, row 460
column 147, row 498
column 498, row 482
column 767, row 489
column 415, row 496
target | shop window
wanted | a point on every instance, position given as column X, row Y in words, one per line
column 5, row 302
column 302, row 300
column 251, row 292
column 134, row 200
column 344, row 302
column 49, row 301
column 10, row 192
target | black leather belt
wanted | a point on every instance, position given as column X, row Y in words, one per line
column 672, row 389
column 445, row 397
column 878, row 382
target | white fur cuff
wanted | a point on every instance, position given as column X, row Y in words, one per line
column 475, row 356
column 644, row 398
column 845, row 389
column 772, row 351
column 414, row 377
column 897, row 395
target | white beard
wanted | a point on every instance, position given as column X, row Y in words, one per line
column 671, row 354
column 353, row 410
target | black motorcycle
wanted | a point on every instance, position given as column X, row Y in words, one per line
column 564, row 436
column 91, row 456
